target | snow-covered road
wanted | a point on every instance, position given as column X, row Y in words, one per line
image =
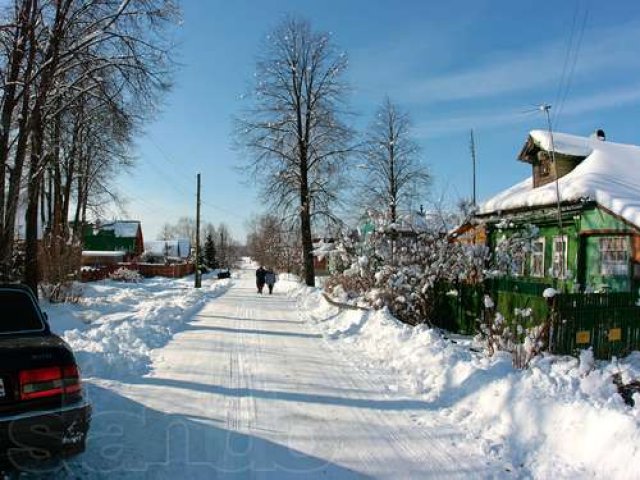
column 248, row 390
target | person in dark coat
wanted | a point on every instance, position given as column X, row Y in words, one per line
column 270, row 279
column 260, row 278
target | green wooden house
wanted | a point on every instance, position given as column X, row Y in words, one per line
column 123, row 236
column 583, row 198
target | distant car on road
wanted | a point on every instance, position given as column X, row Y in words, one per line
column 43, row 413
column 224, row 274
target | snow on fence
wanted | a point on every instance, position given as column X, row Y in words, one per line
column 609, row 323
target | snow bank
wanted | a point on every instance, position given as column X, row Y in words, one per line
column 609, row 175
column 114, row 327
column 562, row 418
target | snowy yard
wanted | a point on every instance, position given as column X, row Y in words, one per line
column 562, row 418
column 223, row 383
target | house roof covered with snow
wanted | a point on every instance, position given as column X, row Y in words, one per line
column 609, row 175
column 123, row 229
column 180, row 248
column 564, row 143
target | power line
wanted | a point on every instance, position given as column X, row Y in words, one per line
column 573, row 65
column 567, row 54
column 170, row 160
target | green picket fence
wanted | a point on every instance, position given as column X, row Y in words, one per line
column 607, row 322
column 458, row 307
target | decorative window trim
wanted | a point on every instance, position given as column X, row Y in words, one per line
column 565, row 254
column 534, row 255
column 614, row 256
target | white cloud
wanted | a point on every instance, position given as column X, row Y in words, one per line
column 603, row 51
column 582, row 105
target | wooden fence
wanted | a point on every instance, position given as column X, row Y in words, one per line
column 145, row 269
column 607, row 322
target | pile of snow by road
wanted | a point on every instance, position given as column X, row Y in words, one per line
column 115, row 325
column 561, row 418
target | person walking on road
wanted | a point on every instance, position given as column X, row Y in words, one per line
column 270, row 279
column 260, row 278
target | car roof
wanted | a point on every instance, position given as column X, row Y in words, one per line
column 16, row 286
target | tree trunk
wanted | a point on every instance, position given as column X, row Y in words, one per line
column 31, row 219
column 9, row 198
column 305, row 226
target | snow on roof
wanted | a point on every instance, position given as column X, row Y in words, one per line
column 609, row 175
column 100, row 253
column 564, row 143
column 123, row 229
column 173, row 248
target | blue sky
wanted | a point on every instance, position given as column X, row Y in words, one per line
column 453, row 65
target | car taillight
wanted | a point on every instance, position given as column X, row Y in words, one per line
column 48, row 382
column 71, row 379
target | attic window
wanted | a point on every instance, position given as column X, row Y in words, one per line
column 544, row 163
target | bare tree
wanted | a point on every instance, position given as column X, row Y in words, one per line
column 78, row 77
column 393, row 173
column 185, row 228
column 272, row 242
column 294, row 133
column 223, row 242
column 166, row 232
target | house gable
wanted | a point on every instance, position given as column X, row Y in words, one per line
column 609, row 175
column 541, row 161
column 117, row 236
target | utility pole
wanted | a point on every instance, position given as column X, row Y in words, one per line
column 545, row 108
column 472, row 146
column 198, row 283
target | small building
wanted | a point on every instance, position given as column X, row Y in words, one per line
column 159, row 251
column 585, row 208
column 122, row 235
column 322, row 247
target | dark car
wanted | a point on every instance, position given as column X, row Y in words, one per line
column 43, row 414
column 224, row 274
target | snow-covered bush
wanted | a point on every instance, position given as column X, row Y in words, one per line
column 512, row 248
column 401, row 270
column 523, row 337
column 125, row 275
column 348, row 287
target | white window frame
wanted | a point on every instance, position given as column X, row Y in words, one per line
column 555, row 255
column 618, row 262
column 535, row 254
column 518, row 263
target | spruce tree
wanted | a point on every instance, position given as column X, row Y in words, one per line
column 210, row 252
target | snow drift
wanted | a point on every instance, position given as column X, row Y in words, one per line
column 114, row 327
column 561, row 418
